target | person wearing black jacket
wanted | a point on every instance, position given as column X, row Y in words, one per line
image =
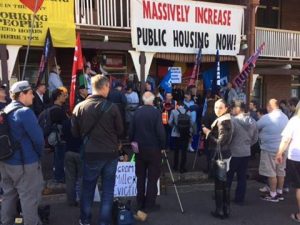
column 58, row 116
column 149, row 133
column 100, row 124
column 118, row 97
column 219, row 138
column 41, row 99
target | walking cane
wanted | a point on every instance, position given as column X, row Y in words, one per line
column 173, row 181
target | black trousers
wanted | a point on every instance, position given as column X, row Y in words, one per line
column 238, row 165
column 148, row 168
column 180, row 145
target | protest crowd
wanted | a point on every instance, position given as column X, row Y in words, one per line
column 87, row 142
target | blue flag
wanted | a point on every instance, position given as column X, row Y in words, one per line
column 209, row 76
column 166, row 83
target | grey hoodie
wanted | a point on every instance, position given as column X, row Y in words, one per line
column 244, row 136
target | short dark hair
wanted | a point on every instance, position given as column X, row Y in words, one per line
column 179, row 102
column 262, row 111
column 56, row 93
column 283, row 101
column 16, row 96
column 222, row 101
column 240, row 104
column 293, row 101
column 254, row 102
column 188, row 92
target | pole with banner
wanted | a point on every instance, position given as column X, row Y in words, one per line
column 77, row 65
column 196, row 68
column 241, row 78
column 44, row 60
column 30, row 37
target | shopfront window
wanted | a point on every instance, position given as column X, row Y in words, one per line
column 295, row 88
column 32, row 67
column 268, row 14
column 258, row 91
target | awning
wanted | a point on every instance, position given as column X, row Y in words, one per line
column 190, row 58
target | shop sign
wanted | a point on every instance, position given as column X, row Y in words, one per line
column 16, row 18
column 185, row 26
column 176, row 75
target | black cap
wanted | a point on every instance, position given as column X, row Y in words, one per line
column 81, row 87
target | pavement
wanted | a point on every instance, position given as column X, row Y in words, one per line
column 197, row 202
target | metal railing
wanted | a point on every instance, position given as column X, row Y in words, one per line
column 279, row 43
column 113, row 14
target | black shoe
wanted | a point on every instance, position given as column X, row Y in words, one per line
column 218, row 215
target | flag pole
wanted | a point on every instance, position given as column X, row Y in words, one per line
column 29, row 41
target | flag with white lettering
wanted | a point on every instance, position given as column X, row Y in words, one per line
column 196, row 69
column 77, row 66
column 241, row 78
column 44, row 60
column 216, row 86
column 166, row 83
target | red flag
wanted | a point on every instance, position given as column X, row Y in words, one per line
column 77, row 65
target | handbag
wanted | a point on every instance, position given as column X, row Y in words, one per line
column 219, row 166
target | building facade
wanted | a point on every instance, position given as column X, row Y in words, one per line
column 104, row 26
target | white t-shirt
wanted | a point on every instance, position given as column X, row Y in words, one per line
column 292, row 130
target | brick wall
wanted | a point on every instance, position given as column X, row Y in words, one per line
column 276, row 86
column 290, row 15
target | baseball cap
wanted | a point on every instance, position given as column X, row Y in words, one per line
column 20, row 86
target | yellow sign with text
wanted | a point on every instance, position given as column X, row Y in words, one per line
column 17, row 16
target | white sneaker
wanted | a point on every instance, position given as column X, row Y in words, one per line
column 286, row 190
column 190, row 148
column 264, row 189
column 80, row 223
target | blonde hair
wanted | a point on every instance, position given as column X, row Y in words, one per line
column 99, row 81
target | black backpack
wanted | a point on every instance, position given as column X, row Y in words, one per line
column 183, row 123
column 45, row 121
column 7, row 145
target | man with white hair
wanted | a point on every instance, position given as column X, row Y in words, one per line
column 148, row 132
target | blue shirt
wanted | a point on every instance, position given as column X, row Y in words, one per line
column 189, row 105
column 24, row 128
column 270, row 127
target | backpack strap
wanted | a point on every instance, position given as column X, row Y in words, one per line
column 179, row 111
column 104, row 107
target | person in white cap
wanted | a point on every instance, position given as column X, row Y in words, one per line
column 21, row 173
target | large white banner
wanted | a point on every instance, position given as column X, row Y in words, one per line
column 184, row 26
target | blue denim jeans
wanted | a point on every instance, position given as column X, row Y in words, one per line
column 91, row 172
column 59, row 158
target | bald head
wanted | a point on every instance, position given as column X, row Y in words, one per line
column 148, row 98
column 273, row 104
